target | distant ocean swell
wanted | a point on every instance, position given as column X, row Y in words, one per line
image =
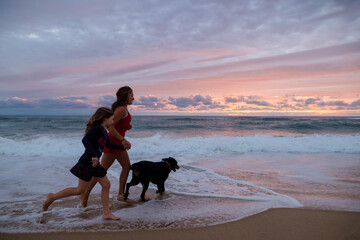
column 199, row 126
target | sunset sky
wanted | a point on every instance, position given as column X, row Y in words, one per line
column 181, row 57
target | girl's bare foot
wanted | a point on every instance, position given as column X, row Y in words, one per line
column 49, row 199
column 120, row 197
column 110, row 216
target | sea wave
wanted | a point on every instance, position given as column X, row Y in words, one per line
column 160, row 145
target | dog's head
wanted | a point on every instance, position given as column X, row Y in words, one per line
column 172, row 162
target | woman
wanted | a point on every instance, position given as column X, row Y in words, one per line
column 122, row 119
column 88, row 167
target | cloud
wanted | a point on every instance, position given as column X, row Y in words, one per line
column 46, row 103
column 333, row 103
column 251, row 100
column 107, row 100
column 310, row 101
column 75, row 98
column 16, row 102
column 113, row 28
column 197, row 102
column 259, row 103
column 63, row 103
column 236, row 99
column 249, row 108
column 341, row 104
column 183, row 102
column 355, row 103
column 318, row 103
column 150, row 102
column 289, row 103
column 204, row 100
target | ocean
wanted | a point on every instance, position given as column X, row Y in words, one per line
column 230, row 168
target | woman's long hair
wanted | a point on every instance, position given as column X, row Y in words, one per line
column 98, row 117
column 122, row 97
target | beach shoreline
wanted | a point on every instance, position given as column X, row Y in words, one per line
column 277, row 223
column 312, row 165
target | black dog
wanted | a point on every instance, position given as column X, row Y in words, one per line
column 145, row 172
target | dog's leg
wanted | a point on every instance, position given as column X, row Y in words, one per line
column 145, row 187
column 161, row 188
column 134, row 181
column 126, row 194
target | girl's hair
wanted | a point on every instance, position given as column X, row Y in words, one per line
column 98, row 117
column 122, row 96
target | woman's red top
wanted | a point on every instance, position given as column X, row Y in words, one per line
column 121, row 126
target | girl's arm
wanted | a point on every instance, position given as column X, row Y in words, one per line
column 88, row 141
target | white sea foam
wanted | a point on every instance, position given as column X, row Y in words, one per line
column 202, row 182
column 215, row 197
column 40, row 164
column 158, row 145
column 43, row 145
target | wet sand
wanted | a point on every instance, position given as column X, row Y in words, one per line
column 283, row 223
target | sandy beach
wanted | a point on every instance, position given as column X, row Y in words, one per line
column 283, row 223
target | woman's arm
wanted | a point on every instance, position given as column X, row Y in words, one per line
column 119, row 114
column 113, row 145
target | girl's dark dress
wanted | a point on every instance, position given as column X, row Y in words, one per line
column 94, row 141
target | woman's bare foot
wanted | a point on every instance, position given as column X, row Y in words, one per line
column 110, row 216
column 120, row 197
column 49, row 199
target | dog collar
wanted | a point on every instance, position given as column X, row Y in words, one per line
column 168, row 165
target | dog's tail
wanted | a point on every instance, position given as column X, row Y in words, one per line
column 136, row 168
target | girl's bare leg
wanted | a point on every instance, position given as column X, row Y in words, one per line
column 85, row 196
column 106, row 162
column 124, row 160
column 67, row 192
column 105, row 184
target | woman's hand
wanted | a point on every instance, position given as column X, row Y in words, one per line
column 126, row 144
column 94, row 161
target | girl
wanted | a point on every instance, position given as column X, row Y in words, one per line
column 88, row 166
column 122, row 119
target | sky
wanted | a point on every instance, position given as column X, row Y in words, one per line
column 180, row 57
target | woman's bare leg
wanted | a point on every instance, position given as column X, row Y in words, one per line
column 124, row 160
column 105, row 190
column 106, row 162
column 67, row 192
